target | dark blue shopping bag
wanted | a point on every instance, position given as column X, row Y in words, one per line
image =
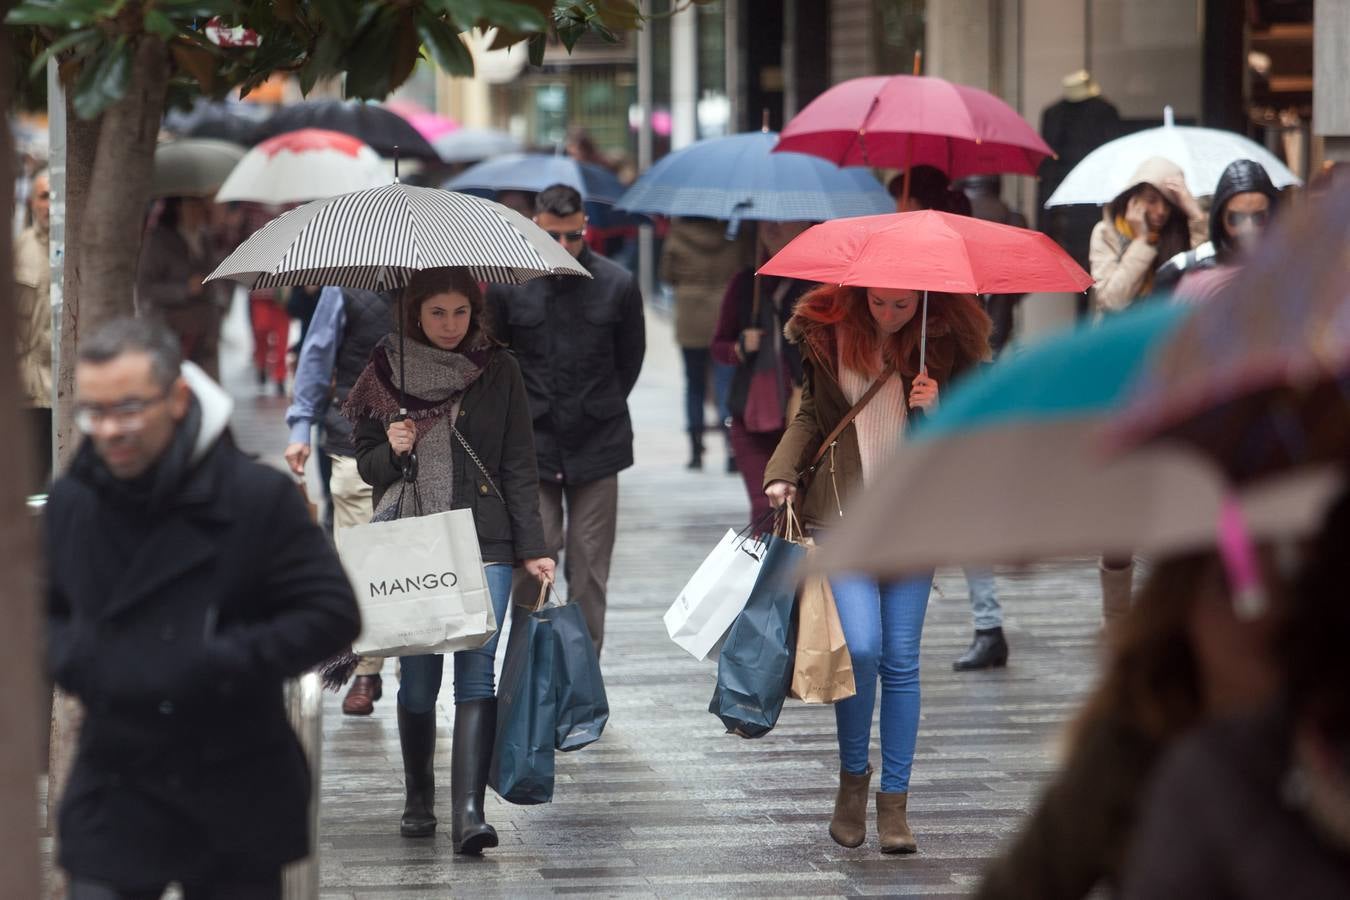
column 754, row 670
column 583, row 707
column 527, row 711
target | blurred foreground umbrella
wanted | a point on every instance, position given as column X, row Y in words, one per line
column 901, row 121
column 535, row 171
column 929, row 251
column 382, row 129
column 298, row 166
column 1258, row 378
column 740, row 177
column 1202, row 153
column 193, row 167
column 377, row 239
column 473, row 144
column 1010, row 470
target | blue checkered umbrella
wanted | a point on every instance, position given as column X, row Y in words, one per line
column 739, row 177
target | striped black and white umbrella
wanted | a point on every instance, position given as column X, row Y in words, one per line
column 377, row 239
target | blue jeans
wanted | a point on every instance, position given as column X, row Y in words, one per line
column 419, row 683
column 984, row 605
column 882, row 625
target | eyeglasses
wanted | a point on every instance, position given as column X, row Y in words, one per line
column 570, row 237
column 1234, row 219
column 128, row 415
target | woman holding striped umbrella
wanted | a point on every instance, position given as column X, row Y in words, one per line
column 468, row 423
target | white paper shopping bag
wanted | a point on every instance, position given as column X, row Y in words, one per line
column 715, row 595
column 420, row 584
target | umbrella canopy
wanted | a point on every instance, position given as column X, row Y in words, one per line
column 1009, row 470
column 536, row 171
column 193, row 167
column 304, row 165
column 377, row 239
column 1202, row 153
column 899, row 121
column 740, row 177
column 235, row 122
column 929, row 251
column 472, row 144
column 1259, row 377
column 428, row 124
column 383, row 130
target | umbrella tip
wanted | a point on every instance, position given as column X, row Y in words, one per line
column 1168, row 118
column 764, row 119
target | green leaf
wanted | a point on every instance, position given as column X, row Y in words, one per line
column 60, row 14
column 443, row 42
column 103, row 80
column 338, row 15
column 158, row 23
column 538, row 44
column 368, row 55
column 59, row 46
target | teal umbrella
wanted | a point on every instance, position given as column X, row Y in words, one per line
column 1012, row 468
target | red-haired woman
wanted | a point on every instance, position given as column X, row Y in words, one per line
column 851, row 337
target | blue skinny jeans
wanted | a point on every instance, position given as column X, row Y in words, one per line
column 420, row 676
column 883, row 623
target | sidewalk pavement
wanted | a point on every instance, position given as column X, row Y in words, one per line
column 666, row 804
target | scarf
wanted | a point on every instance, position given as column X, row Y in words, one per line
column 1128, row 232
column 435, row 381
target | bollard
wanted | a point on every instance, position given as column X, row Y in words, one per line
column 304, row 709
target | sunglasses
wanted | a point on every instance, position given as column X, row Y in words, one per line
column 570, row 236
column 1235, row 219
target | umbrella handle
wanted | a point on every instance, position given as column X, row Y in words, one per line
column 923, row 336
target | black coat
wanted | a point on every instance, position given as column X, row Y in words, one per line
column 494, row 417
column 580, row 342
column 175, row 613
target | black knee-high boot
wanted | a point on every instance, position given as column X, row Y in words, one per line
column 475, row 731
column 417, row 738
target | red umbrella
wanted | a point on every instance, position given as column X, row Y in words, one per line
column 929, row 251
column 900, row 121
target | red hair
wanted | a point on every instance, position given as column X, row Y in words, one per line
column 958, row 330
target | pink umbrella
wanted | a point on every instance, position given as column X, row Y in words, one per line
column 900, row 121
column 428, row 124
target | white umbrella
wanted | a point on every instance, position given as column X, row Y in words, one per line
column 304, row 165
column 193, row 167
column 1202, row 153
column 473, row 144
column 377, row 239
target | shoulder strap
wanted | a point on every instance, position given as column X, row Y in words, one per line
column 477, row 462
column 852, row 414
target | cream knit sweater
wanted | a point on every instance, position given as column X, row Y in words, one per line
column 880, row 424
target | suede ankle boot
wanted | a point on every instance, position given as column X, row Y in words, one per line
column 893, row 824
column 849, row 825
column 417, row 739
column 475, row 731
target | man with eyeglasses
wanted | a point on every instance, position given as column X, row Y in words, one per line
column 1244, row 202
column 580, row 343
column 33, row 301
column 185, row 583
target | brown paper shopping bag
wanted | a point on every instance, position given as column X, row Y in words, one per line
column 823, row 669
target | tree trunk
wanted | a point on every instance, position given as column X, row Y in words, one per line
column 109, row 164
column 21, row 704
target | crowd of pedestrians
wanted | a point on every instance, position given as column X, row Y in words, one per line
column 185, row 582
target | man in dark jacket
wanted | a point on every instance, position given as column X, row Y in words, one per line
column 185, row 583
column 580, row 342
column 346, row 326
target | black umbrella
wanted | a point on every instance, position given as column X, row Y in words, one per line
column 234, row 122
column 383, row 130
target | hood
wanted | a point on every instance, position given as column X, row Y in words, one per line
column 215, row 405
column 1241, row 177
column 1155, row 171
